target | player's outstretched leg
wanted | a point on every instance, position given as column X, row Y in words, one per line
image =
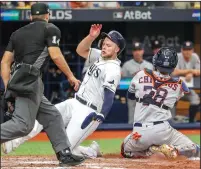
column 10, row 146
column 93, row 151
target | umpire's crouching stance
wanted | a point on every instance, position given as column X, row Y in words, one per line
column 29, row 47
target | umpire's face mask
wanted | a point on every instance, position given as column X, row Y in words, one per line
column 109, row 49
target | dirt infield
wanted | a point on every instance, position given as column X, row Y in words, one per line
column 107, row 162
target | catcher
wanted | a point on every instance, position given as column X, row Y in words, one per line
column 156, row 93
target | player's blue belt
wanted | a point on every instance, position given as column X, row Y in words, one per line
column 85, row 102
column 154, row 123
column 159, row 105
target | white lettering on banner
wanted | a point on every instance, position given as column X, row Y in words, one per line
column 196, row 14
column 57, row 15
column 61, row 15
column 129, row 15
column 137, row 15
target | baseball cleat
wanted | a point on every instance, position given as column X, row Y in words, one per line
column 169, row 151
column 94, row 145
column 66, row 158
column 9, row 146
column 197, row 151
column 194, row 158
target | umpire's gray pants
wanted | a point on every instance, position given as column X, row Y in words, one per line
column 36, row 106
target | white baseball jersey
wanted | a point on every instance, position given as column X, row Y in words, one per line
column 166, row 93
column 101, row 74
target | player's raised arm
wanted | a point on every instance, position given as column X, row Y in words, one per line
column 83, row 47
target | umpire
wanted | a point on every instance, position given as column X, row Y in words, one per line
column 29, row 47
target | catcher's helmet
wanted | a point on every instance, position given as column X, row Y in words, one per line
column 165, row 60
column 115, row 37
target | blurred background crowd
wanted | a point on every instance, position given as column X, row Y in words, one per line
column 136, row 56
column 103, row 5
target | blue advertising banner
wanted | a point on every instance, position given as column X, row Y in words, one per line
column 117, row 15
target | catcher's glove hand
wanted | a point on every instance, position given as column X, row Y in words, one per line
column 147, row 99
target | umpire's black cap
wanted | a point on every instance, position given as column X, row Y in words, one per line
column 187, row 45
column 39, row 9
column 115, row 37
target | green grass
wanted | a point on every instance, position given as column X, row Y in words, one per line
column 107, row 146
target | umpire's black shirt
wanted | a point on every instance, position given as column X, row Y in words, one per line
column 30, row 43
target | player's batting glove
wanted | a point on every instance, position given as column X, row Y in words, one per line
column 92, row 117
column 99, row 117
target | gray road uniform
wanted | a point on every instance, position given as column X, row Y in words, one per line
column 192, row 97
column 130, row 67
column 128, row 70
column 150, row 117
